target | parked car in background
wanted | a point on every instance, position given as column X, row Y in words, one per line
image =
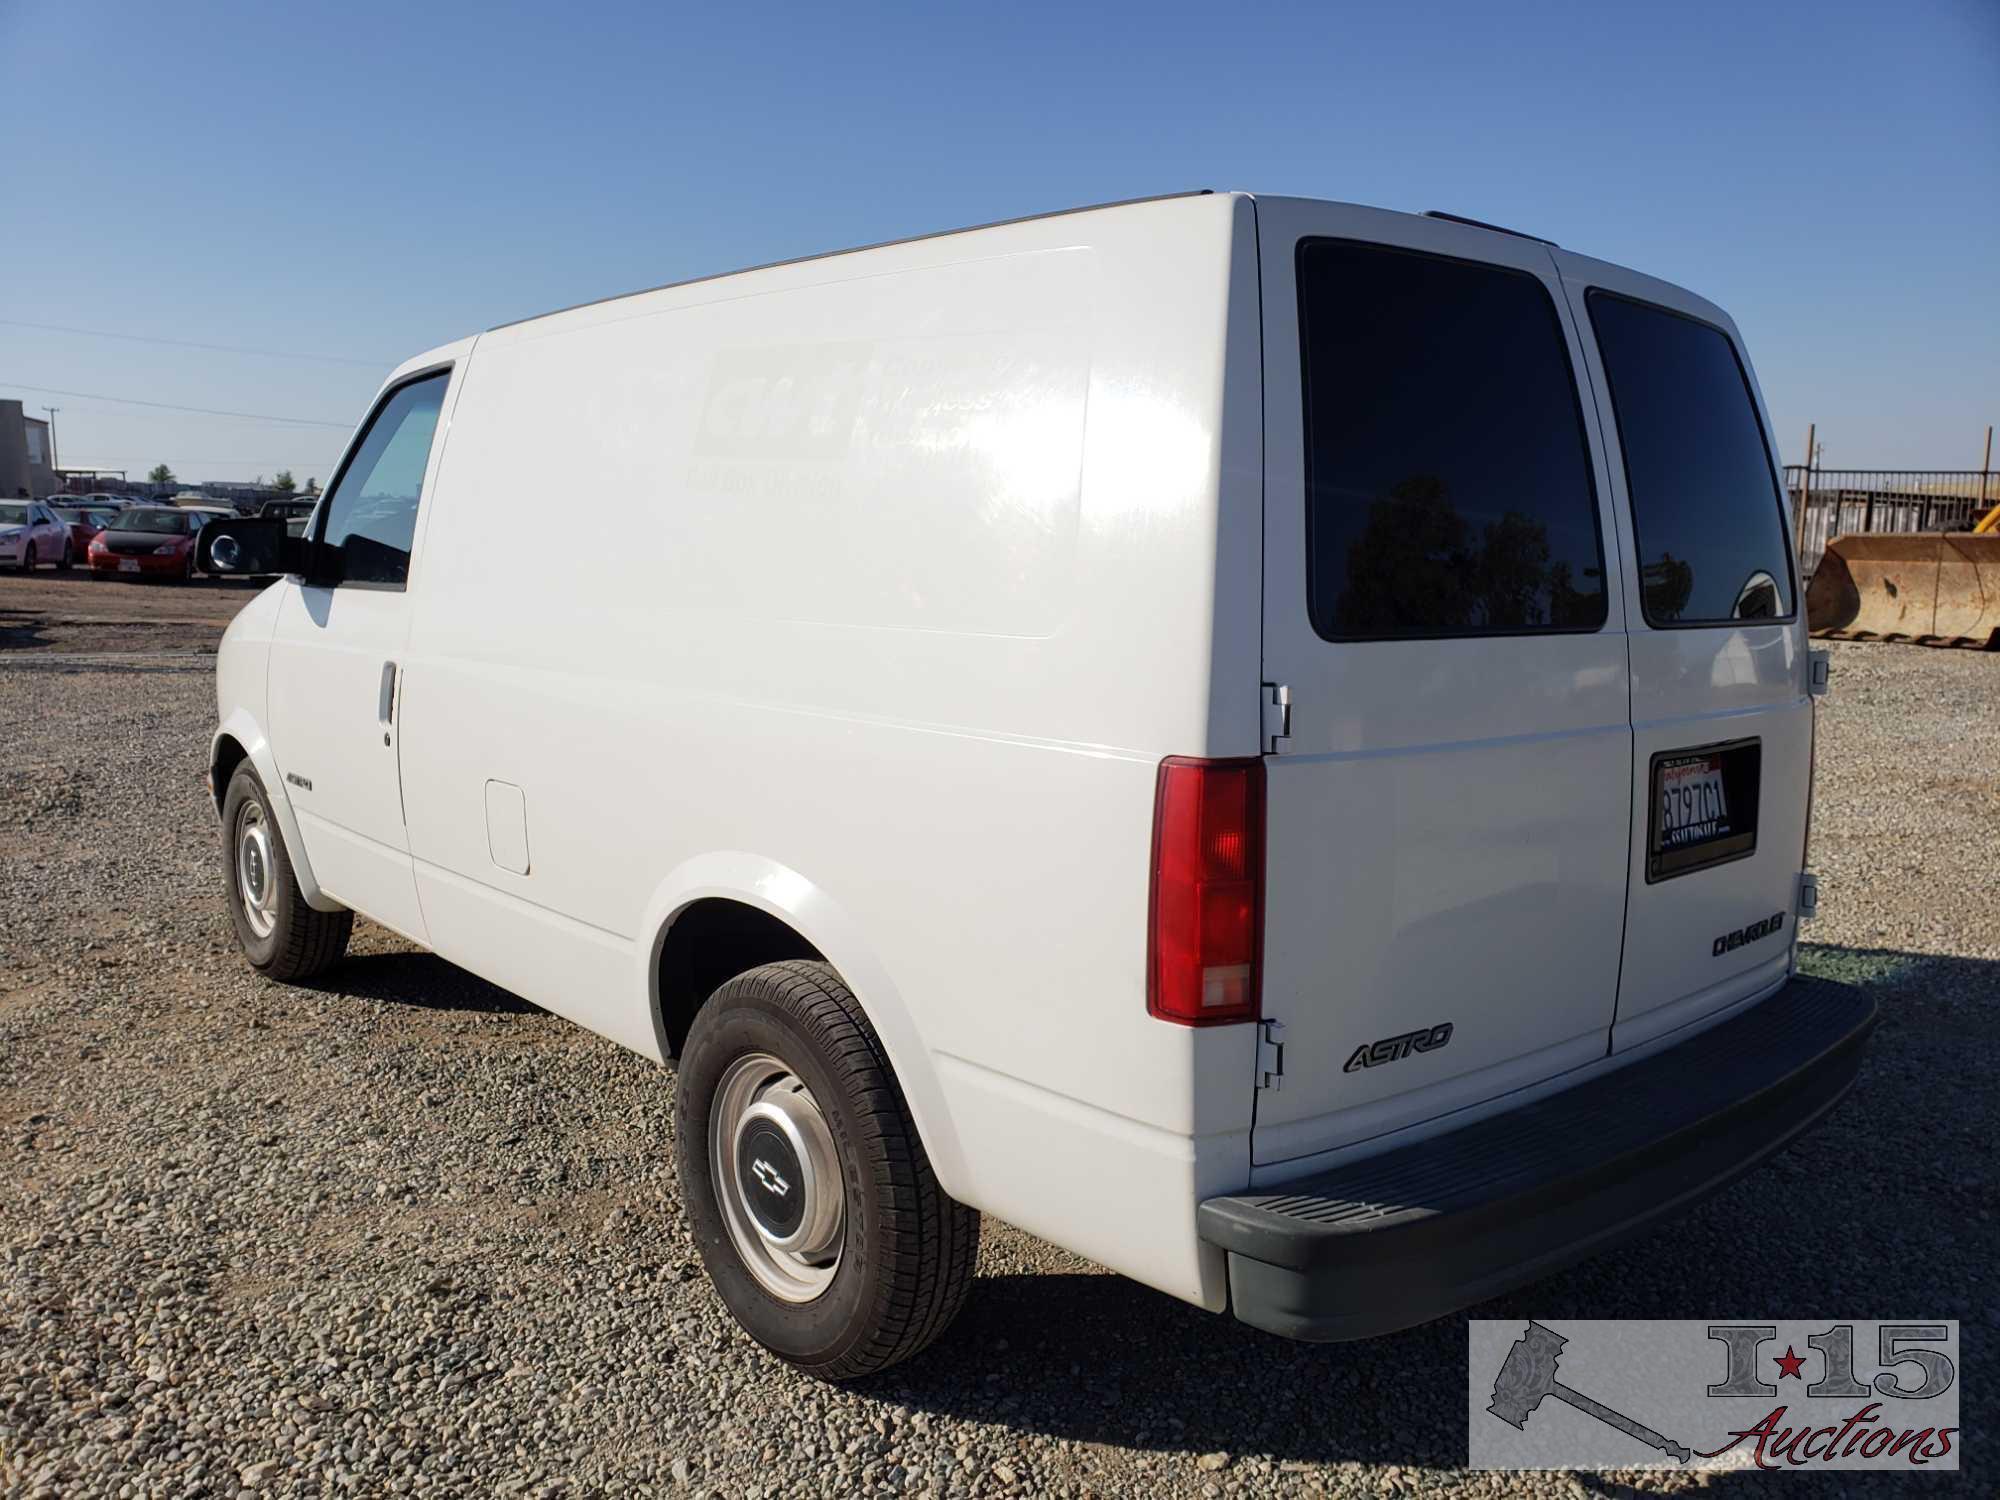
column 83, row 523
column 32, row 534
column 294, row 513
column 148, row 541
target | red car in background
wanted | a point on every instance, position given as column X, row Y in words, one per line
column 84, row 522
column 148, row 541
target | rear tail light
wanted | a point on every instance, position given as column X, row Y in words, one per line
column 1207, row 928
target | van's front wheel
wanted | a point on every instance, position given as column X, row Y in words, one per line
column 283, row 938
column 812, row 1201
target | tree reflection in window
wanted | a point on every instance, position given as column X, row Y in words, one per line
column 1419, row 566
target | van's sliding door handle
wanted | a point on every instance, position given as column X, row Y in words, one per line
column 386, row 710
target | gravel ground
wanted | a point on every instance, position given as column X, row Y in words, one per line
column 83, row 613
column 404, row 1233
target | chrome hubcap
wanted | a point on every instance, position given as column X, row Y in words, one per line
column 778, row 1177
column 256, row 879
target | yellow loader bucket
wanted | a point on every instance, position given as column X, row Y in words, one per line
column 1932, row 588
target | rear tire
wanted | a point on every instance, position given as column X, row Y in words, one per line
column 902, row 1263
column 283, row 938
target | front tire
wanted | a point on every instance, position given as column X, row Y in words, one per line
column 67, row 558
column 810, row 1195
column 28, row 558
column 283, row 938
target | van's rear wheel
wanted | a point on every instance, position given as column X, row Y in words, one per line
column 811, row 1198
column 283, row 938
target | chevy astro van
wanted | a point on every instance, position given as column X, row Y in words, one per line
column 1266, row 742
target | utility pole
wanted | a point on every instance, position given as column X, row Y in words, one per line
column 1805, row 488
column 54, row 467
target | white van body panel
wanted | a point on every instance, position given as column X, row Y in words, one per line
column 242, row 667
column 993, row 461
column 1704, row 684
column 339, row 756
column 1448, row 816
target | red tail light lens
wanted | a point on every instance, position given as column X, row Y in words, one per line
column 1208, row 891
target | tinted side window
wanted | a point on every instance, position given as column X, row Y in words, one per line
column 1705, row 505
column 371, row 511
column 1448, row 484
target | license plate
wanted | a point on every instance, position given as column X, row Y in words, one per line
column 1693, row 806
column 128, row 565
column 1704, row 807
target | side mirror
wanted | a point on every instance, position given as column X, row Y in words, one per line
column 249, row 548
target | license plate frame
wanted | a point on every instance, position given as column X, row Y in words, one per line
column 128, row 564
column 1733, row 769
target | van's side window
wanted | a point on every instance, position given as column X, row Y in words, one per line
column 1705, row 506
column 1448, row 481
column 371, row 511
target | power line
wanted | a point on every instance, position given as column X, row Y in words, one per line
column 203, row 411
column 142, row 338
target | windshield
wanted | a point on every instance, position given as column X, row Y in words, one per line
column 13, row 515
column 170, row 521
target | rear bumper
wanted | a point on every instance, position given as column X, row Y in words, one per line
column 1425, row 1229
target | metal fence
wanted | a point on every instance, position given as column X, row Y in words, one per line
column 1839, row 502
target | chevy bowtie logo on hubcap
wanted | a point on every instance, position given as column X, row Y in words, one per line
column 768, row 1175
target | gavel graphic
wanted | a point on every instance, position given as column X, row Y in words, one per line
column 1529, row 1373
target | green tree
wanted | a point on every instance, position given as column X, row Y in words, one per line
column 161, row 475
column 284, row 484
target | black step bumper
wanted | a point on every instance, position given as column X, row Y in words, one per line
column 1425, row 1229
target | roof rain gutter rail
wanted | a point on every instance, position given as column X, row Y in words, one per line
column 1438, row 213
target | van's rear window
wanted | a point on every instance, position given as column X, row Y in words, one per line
column 1448, row 481
column 1705, row 506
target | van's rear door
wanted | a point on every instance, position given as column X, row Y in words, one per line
column 1721, row 711
column 1447, row 821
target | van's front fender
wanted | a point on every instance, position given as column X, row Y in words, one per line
column 241, row 727
column 792, row 898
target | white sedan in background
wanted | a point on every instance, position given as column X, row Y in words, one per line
column 32, row 534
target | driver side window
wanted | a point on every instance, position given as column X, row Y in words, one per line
column 370, row 514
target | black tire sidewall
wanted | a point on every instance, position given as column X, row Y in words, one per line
column 738, row 1021
column 246, row 786
column 28, row 558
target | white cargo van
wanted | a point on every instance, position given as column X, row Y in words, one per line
column 1266, row 742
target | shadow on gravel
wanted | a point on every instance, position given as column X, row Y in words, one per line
column 420, row 981
column 21, row 630
column 1885, row 1209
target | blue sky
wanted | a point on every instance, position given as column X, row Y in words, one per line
column 360, row 181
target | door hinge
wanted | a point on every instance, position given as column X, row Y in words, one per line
column 1277, row 717
column 1819, row 671
column 1270, row 1055
column 1808, row 896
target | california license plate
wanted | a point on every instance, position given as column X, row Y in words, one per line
column 1704, row 807
column 1693, row 805
column 128, row 565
